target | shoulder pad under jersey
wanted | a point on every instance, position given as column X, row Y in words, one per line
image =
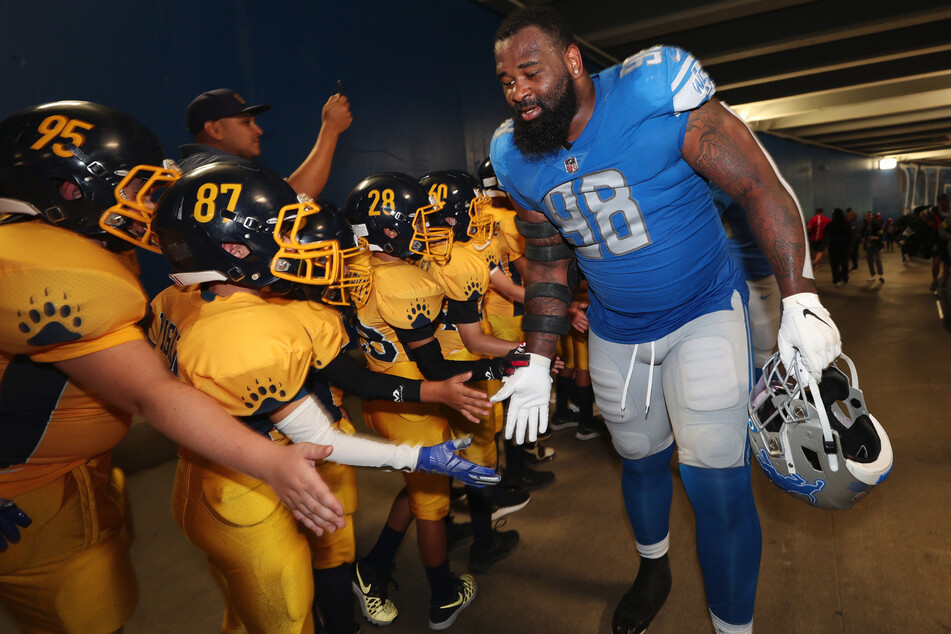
column 668, row 75
column 324, row 326
column 252, row 359
column 407, row 296
column 465, row 276
column 63, row 296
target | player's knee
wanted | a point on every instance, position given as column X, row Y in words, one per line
column 634, row 445
column 429, row 505
column 713, row 446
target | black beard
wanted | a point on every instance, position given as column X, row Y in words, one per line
column 548, row 132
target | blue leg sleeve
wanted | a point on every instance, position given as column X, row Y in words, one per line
column 729, row 540
column 648, row 488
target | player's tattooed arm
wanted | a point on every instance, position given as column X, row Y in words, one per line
column 542, row 271
column 720, row 146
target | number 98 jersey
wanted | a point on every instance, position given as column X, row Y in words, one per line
column 641, row 221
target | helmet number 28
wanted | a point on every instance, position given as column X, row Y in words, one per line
column 208, row 193
column 59, row 126
column 387, row 197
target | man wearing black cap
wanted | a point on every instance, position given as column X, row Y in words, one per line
column 224, row 128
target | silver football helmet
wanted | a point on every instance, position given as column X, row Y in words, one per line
column 817, row 441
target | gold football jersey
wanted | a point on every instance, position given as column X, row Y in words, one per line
column 61, row 297
column 466, row 278
column 511, row 246
column 403, row 296
column 324, row 326
column 249, row 355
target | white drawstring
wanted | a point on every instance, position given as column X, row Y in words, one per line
column 627, row 380
column 630, row 375
column 650, row 382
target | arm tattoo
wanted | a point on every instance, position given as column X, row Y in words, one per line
column 542, row 342
column 720, row 147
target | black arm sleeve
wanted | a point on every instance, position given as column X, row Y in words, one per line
column 459, row 312
column 435, row 367
column 366, row 384
column 409, row 335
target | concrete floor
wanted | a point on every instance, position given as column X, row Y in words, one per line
column 880, row 567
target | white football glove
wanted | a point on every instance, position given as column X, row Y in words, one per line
column 530, row 391
column 807, row 327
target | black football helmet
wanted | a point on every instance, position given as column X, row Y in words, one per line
column 64, row 160
column 220, row 223
column 817, row 441
column 487, row 176
column 320, row 251
column 463, row 205
column 395, row 201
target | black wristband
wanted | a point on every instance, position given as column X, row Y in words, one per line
column 554, row 324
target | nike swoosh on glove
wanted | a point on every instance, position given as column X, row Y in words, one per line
column 442, row 459
column 807, row 327
column 10, row 517
column 528, row 391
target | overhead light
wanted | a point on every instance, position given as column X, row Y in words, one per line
column 887, row 164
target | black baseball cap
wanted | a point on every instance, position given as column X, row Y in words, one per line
column 218, row 104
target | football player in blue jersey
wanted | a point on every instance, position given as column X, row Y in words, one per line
column 764, row 301
column 608, row 172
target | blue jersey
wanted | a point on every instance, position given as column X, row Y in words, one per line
column 641, row 221
column 740, row 237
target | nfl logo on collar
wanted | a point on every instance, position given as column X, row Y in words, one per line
column 571, row 165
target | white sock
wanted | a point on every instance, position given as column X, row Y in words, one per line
column 654, row 551
column 722, row 627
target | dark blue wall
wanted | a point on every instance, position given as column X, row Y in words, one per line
column 827, row 178
column 420, row 74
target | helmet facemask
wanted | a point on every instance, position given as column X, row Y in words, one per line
column 431, row 238
column 817, row 441
column 322, row 261
column 481, row 224
column 137, row 196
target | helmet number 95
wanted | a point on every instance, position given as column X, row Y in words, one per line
column 59, row 126
column 207, row 193
column 387, row 197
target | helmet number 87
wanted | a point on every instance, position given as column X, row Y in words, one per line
column 59, row 126
column 207, row 193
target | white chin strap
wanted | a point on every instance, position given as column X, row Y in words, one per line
column 197, row 277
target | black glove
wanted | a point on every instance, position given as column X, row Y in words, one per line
column 506, row 366
column 10, row 517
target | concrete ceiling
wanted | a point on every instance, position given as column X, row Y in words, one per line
column 864, row 76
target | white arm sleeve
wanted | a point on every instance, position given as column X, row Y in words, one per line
column 309, row 423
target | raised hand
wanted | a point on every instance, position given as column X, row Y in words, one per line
column 528, row 390
column 456, row 394
column 442, row 459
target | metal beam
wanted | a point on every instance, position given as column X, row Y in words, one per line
column 875, row 99
column 815, row 70
column 811, row 39
column 674, row 21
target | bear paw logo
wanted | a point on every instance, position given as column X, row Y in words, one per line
column 261, row 394
column 419, row 314
column 471, row 289
column 49, row 321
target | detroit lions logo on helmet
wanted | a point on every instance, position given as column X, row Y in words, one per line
column 793, row 483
